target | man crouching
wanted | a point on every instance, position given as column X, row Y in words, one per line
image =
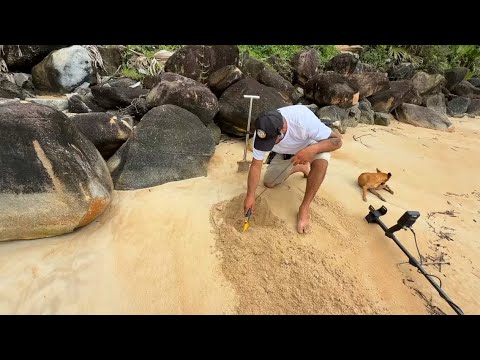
column 299, row 142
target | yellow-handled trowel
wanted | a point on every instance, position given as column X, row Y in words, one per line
column 247, row 220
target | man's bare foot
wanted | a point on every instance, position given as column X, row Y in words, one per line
column 306, row 171
column 303, row 221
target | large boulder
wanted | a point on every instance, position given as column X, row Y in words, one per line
column 109, row 97
column 330, row 88
column 344, row 64
column 387, row 100
column 282, row 67
column 53, row 179
column 106, row 131
column 475, row 81
column 437, row 103
column 474, row 107
column 82, row 101
column 458, row 107
column 425, row 83
column 305, row 65
column 24, row 57
column 363, row 67
column 454, row 76
column 169, row 144
column 10, row 90
column 250, row 66
column 422, row 117
column 464, row 88
column 184, row 92
column 197, row 62
column 112, row 58
column 383, row 119
column 402, row 71
column 223, row 78
column 271, row 78
column 233, row 115
column 370, row 83
column 367, row 115
column 63, row 70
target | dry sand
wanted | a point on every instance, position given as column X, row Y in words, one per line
column 178, row 249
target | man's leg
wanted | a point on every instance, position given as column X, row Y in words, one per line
column 314, row 180
column 279, row 170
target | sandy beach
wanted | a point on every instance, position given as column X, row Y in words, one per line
column 178, row 248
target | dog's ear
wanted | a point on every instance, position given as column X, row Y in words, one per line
column 389, row 175
column 378, row 171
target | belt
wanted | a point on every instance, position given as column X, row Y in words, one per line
column 272, row 155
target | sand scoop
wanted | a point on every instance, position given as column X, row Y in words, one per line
column 244, row 165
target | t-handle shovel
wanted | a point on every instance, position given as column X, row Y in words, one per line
column 244, row 165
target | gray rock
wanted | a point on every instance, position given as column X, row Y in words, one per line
column 9, row 90
column 475, row 82
column 197, row 62
column 233, row 114
column 383, row 119
column 370, row 83
column 388, row 100
column 107, row 132
column 426, row 83
column 168, row 144
column 423, row 117
column 330, row 88
column 367, row 115
column 109, row 97
column 215, row 132
column 189, row 94
column 305, row 65
column 223, row 78
column 344, row 64
column 437, row 103
column 112, row 57
column 458, row 106
column 464, row 88
column 58, row 103
column 455, row 76
column 271, row 78
column 474, row 107
column 250, row 66
column 53, row 179
column 24, row 57
column 63, row 70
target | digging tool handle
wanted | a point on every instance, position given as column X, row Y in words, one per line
column 251, row 97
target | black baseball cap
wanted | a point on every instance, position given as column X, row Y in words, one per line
column 267, row 127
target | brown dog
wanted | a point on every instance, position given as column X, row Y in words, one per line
column 373, row 182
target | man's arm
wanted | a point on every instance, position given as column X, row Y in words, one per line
column 334, row 142
column 253, row 180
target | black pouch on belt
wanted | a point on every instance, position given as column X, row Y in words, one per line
column 272, row 155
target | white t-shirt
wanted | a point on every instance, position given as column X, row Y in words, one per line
column 304, row 129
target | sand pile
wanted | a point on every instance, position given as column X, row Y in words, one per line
column 275, row 272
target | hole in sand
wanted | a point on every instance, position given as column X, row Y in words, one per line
column 232, row 213
column 275, row 271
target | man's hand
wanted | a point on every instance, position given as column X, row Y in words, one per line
column 304, row 156
column 249, row 203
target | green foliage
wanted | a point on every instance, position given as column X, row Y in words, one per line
column 430, row 58
column 376, row 55
column 131, row 73
column 286, row 52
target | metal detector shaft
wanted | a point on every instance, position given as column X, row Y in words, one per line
column 414, row 262
column 251, row 97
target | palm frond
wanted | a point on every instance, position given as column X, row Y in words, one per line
column 95, row 56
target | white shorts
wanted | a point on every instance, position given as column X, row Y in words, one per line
column 279, row 169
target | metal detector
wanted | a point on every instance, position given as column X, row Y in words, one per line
column 405, row 222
